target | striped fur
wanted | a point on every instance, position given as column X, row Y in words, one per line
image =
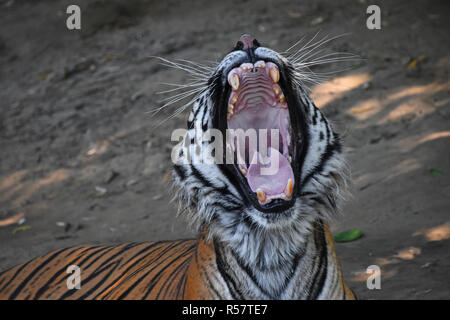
column 184, row 269
column 241, row 253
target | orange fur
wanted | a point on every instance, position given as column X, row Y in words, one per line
column 155, row 270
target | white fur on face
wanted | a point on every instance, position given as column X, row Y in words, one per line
column 264, row 241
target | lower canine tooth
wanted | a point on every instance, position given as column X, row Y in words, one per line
column 289, row 188
column 261, row 195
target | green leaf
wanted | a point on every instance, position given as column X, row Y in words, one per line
column 349, row 235
column 436, row 172
column 21, row 228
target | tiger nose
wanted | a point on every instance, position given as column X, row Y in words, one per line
column 246, row 42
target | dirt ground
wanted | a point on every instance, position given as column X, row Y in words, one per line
column 82, row 162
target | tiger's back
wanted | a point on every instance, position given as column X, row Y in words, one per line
column 154, row 270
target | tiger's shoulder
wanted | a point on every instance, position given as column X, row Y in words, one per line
column 152, row 270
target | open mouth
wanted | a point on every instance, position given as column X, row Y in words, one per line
column 256, row 101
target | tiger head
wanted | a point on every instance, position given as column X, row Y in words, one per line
column 254, row 87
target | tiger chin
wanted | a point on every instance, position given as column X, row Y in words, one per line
column 260, row 236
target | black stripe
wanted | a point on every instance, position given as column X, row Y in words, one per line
column 83, row 261
column 15, row 274
column 321, row 273
column 329, row 151
column 127, row 292
column 200, row 177
column 126, row 247
column 249, row 272
column 44, row 288
column 180, row 171
column 314, row 118
column 235, row 291
column 96, row 258
column 171, row 278
column 295, row 264
column 91, row 276
column 33, row 273
column 158, row 275
column 115, row 264
column 203, row 119
column 211, row 286
column 133, row 265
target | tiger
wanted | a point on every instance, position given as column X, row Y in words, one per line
column 259, row 236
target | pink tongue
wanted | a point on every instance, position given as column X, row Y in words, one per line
column 274, row 181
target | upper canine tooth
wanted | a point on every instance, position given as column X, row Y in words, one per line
column 261, row 195
column 289, row 188
column 282, row 98
column 243, row 170
column 234, row 81
column 274, row 74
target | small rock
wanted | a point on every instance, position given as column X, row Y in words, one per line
column 317, row 21
column 157, row 197
column 24, row 202
column 367, row 85
column 110, row 176
column 131, row 182
column 100, row 190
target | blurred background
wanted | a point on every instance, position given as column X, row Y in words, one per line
column 81, row 161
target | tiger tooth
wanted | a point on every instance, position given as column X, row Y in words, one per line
column 247, row 66
column 277, row 89
column 260, row 64
column 261, row 195
column 234, row 99
column 230, row 111
column 274, row 74
column 289, row 188
column 289, row 159
column 243, row 171
column 234, row 81
column 282, row 97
